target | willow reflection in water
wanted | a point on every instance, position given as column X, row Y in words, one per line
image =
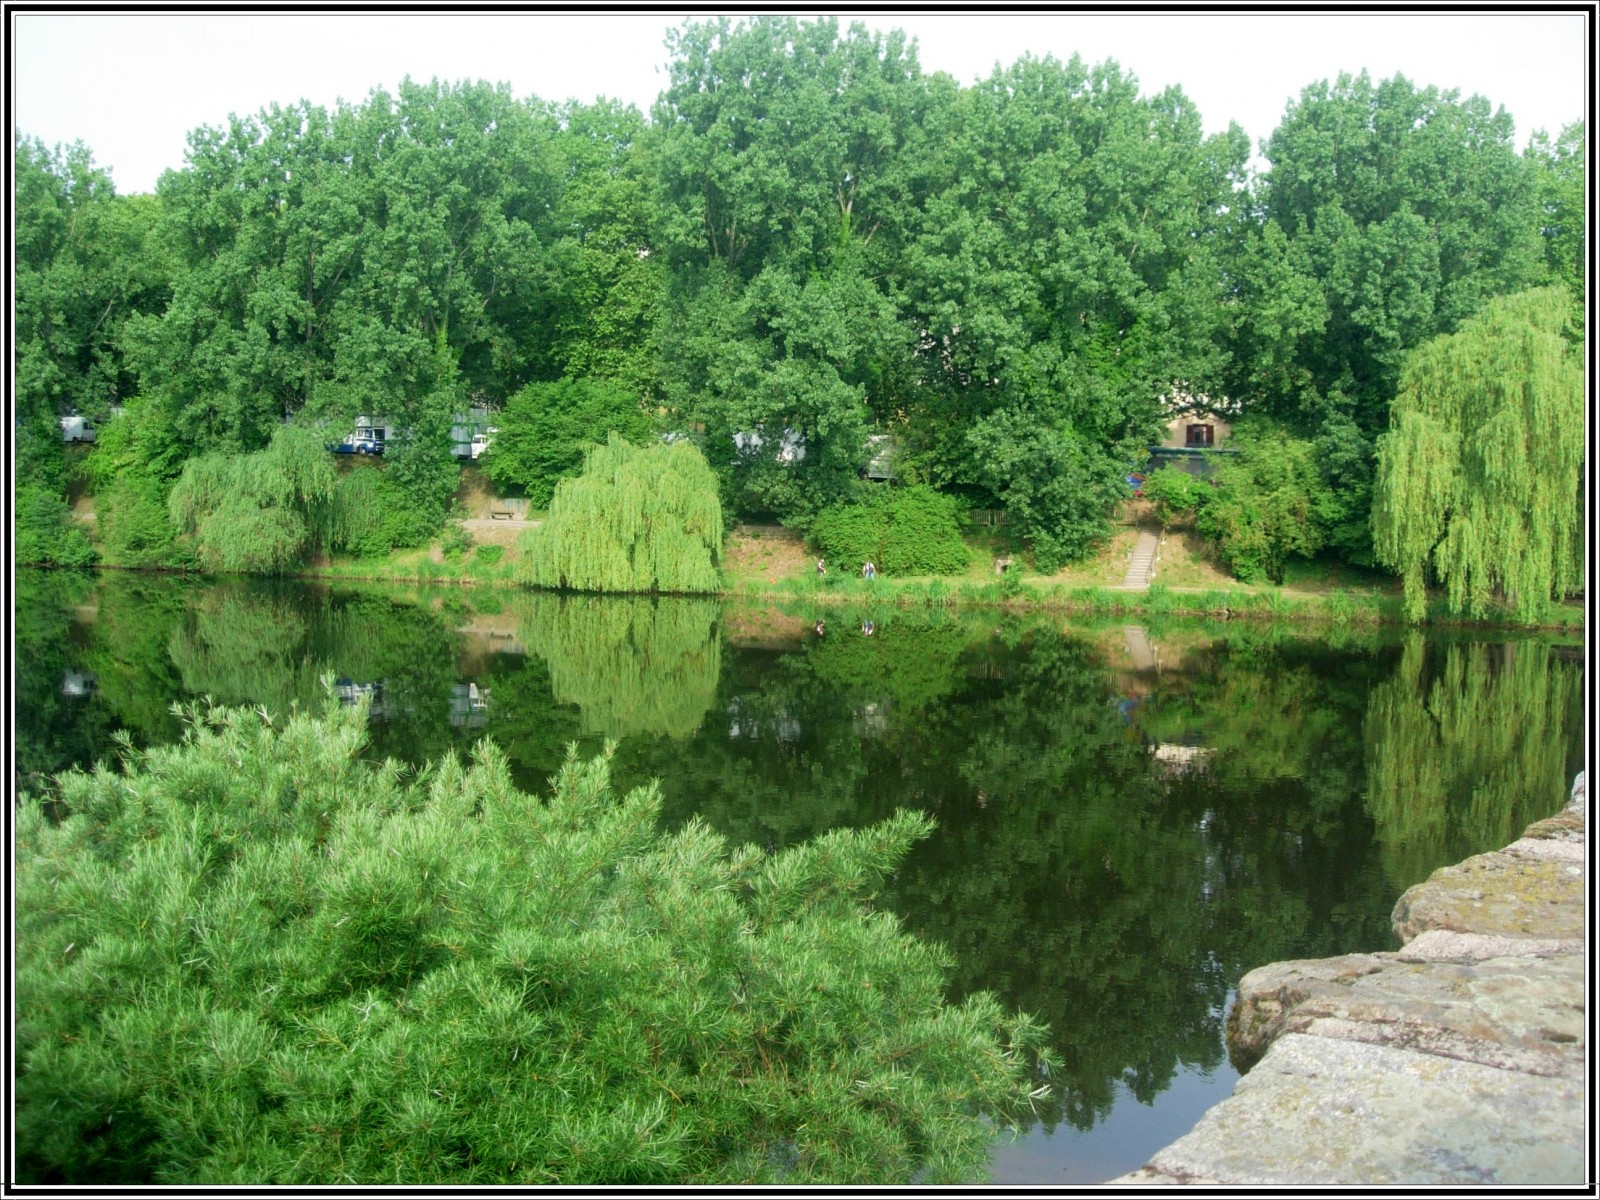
column 631, row 665
column 1120, row 836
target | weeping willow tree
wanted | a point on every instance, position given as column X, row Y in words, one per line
column 630, row 665
column 1462, row 755
column 1478, row 478
column 639, row 519
column 238, row 646
column 264, row 511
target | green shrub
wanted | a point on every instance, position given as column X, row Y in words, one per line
column 488, row 555
column 1176, row 495
column 903, row 531
column 254, row 958
column 455, row 540
column 44, row 531
column 1266, row 505
column 134, row 528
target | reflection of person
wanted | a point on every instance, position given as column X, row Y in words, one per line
column 867, row 628
column 868, row 570
column 819, row 628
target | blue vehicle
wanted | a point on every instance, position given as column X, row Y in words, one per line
column 368, row 437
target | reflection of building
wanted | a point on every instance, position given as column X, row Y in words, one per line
column 1177, row 758
column 351, row 693
column 743, row 723
column 78, row 683
column 469, row 705
column 871, row 720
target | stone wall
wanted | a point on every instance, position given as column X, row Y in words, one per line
column 1458, row 1060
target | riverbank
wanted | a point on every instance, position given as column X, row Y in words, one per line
column 1458, row 1060
column 770, row 564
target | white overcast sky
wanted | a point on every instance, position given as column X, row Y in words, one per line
column 132, row 85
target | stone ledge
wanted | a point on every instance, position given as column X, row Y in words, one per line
column 1502, row 1012
column 1325, row 1111
column 1458, row 1060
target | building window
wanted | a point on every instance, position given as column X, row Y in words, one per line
column 1200, row 435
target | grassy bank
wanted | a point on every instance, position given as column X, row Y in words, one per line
column 772, row 564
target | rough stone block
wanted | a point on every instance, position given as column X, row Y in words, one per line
column 1326, row 1111
column 1505, row 892
column 1516, row 1013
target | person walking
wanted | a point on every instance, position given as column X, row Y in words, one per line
column 869, row 571
column 821, row 570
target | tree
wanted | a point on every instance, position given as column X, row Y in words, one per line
column 789, row 158
column 284, row 964
column 1389, row 214
column 387, row 258
column 1559, row 168
column 1058, row 487
column 87, row 261
column 1479, row 477
column 544, row 429
column 1064, row 278
column 45, row 531
column 637, row 520
column 257, row 512
column 1267, row 504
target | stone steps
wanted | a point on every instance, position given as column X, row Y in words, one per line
column 1142, row 561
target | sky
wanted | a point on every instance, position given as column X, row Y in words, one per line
column 132, row 85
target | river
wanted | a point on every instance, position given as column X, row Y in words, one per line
column 1129, row 817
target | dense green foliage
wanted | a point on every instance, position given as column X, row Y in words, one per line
column 1389, row 214
column 809, row 241
column 134, row 527
column 545, row 428
column 638, row 519
column 1176, row 494
column 1269, row 502
column 901, row 531
column 44, row 531
column 251, row 958
column 1479, row 480
column 265, row 511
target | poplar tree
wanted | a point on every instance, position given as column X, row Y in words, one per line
column 1478, row 479
column 639, row 519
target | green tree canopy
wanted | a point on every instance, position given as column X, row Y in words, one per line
column 639, row 519
column 1478, row 480
column 544, row 429
column 1560, row 169
column 87, row 260
column 1389, row 214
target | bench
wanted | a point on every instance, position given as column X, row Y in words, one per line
column 502, row 512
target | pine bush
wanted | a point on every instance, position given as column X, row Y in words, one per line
column 254, row 958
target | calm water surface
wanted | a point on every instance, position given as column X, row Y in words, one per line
column 1129, row 817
